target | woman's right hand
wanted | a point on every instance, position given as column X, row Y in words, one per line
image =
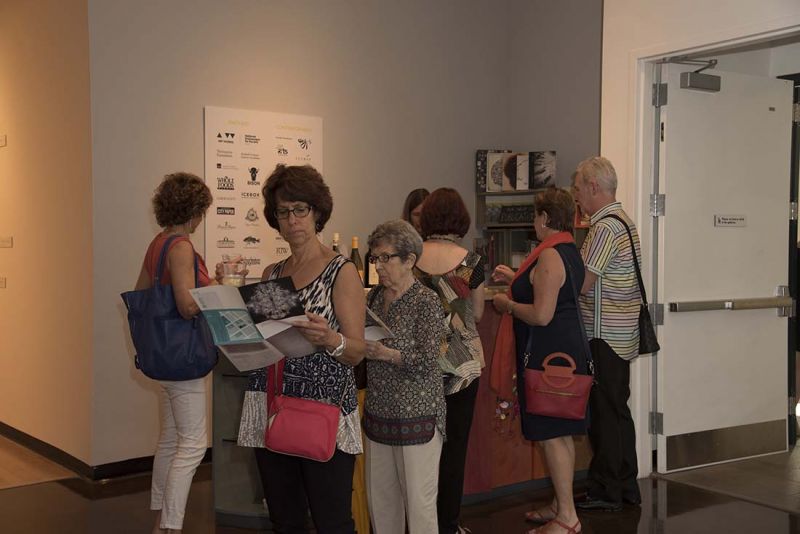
column 503, row 274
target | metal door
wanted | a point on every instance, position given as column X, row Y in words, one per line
column 722, row 258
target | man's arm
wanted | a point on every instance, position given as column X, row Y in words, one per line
column 588, row 281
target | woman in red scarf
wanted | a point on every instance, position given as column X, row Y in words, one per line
column 542, row 304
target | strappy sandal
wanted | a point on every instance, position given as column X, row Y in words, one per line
column 536, row 516
column 574, row 529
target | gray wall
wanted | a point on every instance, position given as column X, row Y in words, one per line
column 554, row 88
column 407, row 91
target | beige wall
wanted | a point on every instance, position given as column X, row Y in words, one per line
column 635, row 29
column 46, row 205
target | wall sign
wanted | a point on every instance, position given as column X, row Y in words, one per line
column 241, row 150
column 730, row 221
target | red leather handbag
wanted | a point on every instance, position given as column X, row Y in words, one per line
column 557, row 391
column 300, row 427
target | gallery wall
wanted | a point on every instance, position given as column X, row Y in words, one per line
column 46, row 207
column 407, row 92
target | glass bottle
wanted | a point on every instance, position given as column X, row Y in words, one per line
column 355, row 257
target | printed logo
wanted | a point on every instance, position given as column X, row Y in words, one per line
column 226, row 211
column 251, row 217
column 250, row 262
column 224, row 153
column 253, row 176
column 250, row 155
column 226, row 166
column 225, row 183
column 251, row 139
column 226, row 226
column 249, row 194
column 304, row 143
column 225, row 242
column 282, row 150
column 251, row 241
column 225, row 137
column 226, row 199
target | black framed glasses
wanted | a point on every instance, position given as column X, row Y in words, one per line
column 382, row 258
column 297, row 211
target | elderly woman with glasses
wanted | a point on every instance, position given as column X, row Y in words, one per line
column 404, row 417
column 298, row 203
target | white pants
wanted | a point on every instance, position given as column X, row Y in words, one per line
column 182, row 444
column 403, row 481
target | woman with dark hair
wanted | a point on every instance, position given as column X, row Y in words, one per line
column 456, row 275
column 298, row 203
column 544, row 310
column 179, row 204
column 412, row 209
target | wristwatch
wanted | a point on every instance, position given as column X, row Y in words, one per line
column 338, row 351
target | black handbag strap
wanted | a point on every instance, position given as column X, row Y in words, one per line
column 162, row 260
column 579, row 315
column 633, row 253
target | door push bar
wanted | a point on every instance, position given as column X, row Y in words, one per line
column 784, row 305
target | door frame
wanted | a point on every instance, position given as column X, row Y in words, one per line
column 640, row 166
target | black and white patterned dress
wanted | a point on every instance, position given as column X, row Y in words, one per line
column 316, row 376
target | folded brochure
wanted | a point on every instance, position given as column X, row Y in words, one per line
column 253, row 325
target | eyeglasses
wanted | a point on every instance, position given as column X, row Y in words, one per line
column 297, row 211
column 382, row 258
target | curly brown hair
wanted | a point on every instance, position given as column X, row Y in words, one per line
column 181, row 197
column 444, row 212
column 559, row 205
column 297, row 183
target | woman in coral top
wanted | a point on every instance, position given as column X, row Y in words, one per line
column 179, row 204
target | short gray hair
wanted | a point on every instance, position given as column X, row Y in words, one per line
column 399, row 234
column 601, row 170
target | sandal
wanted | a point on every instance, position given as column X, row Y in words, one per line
column 574, row 529
column 536, row 516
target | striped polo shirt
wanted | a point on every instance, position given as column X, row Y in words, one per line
column 611, row 307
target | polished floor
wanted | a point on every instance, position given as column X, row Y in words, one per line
column 120, row 506
column 714, row 499
column 20, row 466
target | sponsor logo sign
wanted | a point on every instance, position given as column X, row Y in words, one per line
column 225, row 183
column 250, row 194
column 226, row 226
column 225, row 210
column 252, row 216
column 253, row 176
column 251, row 241
column 251, row 139
column 251, row 262
column 225, row 137
column 226, row 242
column 224, row 153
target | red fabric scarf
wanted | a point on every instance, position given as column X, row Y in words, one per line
column 504, row 358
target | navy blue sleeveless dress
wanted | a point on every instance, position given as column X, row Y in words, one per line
column 563, row 334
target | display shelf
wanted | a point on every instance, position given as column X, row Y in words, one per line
column 507, row 193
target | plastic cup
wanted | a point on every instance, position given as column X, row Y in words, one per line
column 233, row 273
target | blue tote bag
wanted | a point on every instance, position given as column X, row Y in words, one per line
column 168, row 347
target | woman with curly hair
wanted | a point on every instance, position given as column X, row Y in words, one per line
column 179, row 204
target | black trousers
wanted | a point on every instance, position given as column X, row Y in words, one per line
column 612, row 473
column 293, row 484
column 460, row 406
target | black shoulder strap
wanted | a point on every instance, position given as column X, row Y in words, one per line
column 633, row 253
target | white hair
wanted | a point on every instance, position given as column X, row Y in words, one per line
column 601, row 170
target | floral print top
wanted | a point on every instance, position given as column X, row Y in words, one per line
column 412, row 390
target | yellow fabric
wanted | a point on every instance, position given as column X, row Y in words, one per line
column 360, row 510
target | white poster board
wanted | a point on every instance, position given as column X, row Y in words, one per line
column 242, row 148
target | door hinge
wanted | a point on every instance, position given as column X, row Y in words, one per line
column 657, row 205
column 659, row 94
column 793, row 211
column 656, row 423
column 656, row 313
column 785, row 311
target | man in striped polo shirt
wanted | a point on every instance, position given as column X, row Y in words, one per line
column 610, row 305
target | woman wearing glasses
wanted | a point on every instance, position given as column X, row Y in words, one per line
column 456, row 275
column 404, row 414
column 298, row 203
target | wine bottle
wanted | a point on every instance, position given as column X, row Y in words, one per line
column 335, row 242
column 355, row 257
column 371, row 273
